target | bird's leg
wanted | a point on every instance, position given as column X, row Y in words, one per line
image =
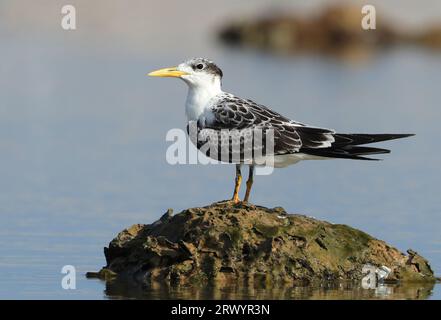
column 237, row 184
column 249, row 183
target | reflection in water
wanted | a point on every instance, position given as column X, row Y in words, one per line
column 341, row 290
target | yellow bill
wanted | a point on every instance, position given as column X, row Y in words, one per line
column 167, row 72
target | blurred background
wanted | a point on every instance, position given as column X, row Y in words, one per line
column 82, row 129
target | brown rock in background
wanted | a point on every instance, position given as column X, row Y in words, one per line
column 336, row 30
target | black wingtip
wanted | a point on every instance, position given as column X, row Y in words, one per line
column 389, row 136
column 404, row 135
column 345, row 139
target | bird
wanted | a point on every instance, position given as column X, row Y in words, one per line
column 221, row 117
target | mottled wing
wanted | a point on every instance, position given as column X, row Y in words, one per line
column 237, row 122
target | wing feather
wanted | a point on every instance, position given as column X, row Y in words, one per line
column 231, row 122
column 233, row 119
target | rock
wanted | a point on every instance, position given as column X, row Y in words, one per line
column 164, row 218
column 104, row 274
column 430, row 38
column 225, row 242
column 336, row 31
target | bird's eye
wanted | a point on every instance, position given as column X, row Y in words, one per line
column 200, row 66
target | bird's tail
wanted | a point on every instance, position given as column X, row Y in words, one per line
column 347, row 146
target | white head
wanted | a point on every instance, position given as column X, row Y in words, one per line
column 197, row 72
column 204, row 79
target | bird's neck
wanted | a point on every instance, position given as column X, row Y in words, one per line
column 198, row 98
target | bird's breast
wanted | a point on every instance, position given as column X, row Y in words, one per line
column 198, row 103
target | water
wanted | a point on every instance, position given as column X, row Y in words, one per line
column 82, row 139
column 326, row 291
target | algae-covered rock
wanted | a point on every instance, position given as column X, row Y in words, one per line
column 228, row 242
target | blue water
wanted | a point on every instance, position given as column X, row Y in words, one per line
column 82, row 139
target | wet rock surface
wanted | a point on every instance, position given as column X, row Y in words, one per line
column 225, row 242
